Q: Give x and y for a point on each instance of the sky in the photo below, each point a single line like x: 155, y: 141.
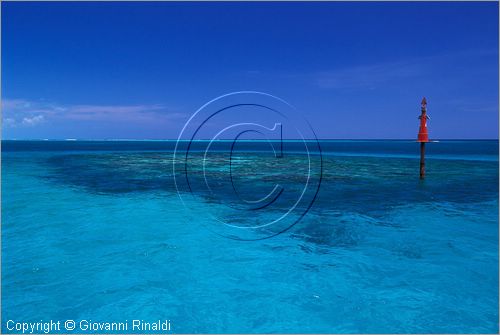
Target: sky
x: 353, y: 70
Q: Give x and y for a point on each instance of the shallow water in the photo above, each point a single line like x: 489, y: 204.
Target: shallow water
x: 96, y: 231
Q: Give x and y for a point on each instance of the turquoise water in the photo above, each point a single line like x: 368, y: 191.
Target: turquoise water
x: 96, y: 231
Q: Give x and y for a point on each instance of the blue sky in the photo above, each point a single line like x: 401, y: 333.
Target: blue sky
x: 354, y: 70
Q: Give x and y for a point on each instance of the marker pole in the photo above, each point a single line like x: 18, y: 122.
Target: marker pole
x: 422, y: 160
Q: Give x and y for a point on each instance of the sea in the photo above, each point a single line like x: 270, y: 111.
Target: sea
x: 106, y: 231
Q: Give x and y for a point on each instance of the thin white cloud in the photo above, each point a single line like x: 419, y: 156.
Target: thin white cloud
x: 372, y: 76
x: 9, y: 122
x: 32, y: 121
x: 20, y: 112
x: 16, y: 104
x: 368, y: 76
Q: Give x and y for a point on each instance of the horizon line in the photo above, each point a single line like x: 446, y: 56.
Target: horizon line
x: 244, y: 140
